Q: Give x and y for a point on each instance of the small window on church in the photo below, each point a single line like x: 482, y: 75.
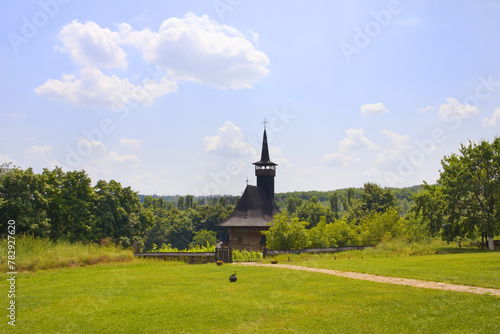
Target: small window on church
x: 240, y: 239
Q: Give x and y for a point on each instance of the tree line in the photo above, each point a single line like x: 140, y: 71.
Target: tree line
x: 366, y: 220
x: 463, y: 203
x: 59, y: 205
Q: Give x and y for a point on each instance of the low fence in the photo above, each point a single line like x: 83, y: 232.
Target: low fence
x: 268, y: 252
x: 188, y: 257
x: 224, y: 254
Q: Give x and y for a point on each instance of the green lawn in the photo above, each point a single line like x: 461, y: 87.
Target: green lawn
x: 477, y: 269
x: 169, y: 297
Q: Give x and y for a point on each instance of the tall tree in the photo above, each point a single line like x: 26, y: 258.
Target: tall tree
x: 466, y: 197
x: 334, y: 204
x: 374, y: 198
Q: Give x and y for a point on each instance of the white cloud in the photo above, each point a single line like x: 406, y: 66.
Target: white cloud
x: 453, y: 108
x: 356, y: 140
x: 42, y: 154
x: 229, y: 142
x: 373, y: 109
x: 423, y: 110
x: 131, y: 143
x: 90, y: 45
x: 95, y: 89
x: 191, y: 48
x: 91, y: 145
x: 39, y: 151
x: 200, y: 50
x: 126, y: 159
x: 494, y: 120
x: 339, y: 159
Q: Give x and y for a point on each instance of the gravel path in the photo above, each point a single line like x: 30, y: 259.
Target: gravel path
x: 385, y: 279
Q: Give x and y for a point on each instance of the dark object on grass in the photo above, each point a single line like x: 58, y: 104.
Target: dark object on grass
x: 233, y: 277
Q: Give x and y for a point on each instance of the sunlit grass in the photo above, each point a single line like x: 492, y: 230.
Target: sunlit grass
x: 172, y: 297
x: 34, y: 254
x: 442, y: 264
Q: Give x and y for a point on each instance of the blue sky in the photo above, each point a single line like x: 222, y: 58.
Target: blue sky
x: 169, y: 97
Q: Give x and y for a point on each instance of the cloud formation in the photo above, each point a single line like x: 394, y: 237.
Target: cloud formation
x: 339, y: 159
x: 200, y: 50
x: 356, y: 140
x: 90, y: 45
x: 188, y: 49
x: 93, y: 88
x: 453, y: 108
x: 126, y: 159
x: 131, y: 143
x: 494, y: 120
x: 229, y: 142
x: 373, y: 109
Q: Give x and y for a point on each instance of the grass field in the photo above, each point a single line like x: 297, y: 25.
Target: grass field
x: 38, y: 254
x: 469, y: 268
x: 169, y: 297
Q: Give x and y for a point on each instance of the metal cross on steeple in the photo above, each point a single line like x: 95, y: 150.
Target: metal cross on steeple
x: 265, y: 123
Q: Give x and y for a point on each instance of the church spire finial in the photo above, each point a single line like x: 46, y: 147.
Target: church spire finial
x: 265, y: 123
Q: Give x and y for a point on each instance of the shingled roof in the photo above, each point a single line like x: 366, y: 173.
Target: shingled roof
x: 254, y: 209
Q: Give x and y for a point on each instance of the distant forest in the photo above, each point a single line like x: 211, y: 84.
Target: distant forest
x: 403, y: 197
x: 65, y: 206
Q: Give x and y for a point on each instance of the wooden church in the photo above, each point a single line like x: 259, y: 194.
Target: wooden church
x: 256, y: 207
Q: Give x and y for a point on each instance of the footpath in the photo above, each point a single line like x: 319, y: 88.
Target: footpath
x: 386, y: 279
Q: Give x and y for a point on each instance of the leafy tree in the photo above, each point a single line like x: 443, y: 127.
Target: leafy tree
x: 287, y: 233
x: 381, y: 225
x: 203, y: 238
x: 468, y: 192
x: 180, y: 231
x: 322, y: 235
x: 189, y: 202
x: 22, y: 199
x: 374, y: 198
x: 312, y: 211
x: 334, y: 204
x: 415, y: 228
x: 292, y: 204
x: 343, y: 234
x: 429, y: 205
x: 76, y: 220
x: 350, y: 197
x: 180, y: 203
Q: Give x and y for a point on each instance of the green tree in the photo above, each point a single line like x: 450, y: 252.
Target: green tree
x: 180, y: 203
x: 470, y: 186
x: 292, y: 204
x: 319, y: 236
x: 203, y: 238
x: 381, y: 225
x: 189, y: 202
x: 286, y: 234
x: 312, y: 211
x: 22, y: 199
x: 429, y: 205
x: 374, y: 198
x: 334, y: 204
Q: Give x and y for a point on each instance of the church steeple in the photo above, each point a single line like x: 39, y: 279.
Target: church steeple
x: 265, y: 169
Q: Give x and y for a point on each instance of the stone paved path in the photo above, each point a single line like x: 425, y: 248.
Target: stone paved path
x: 385, y: 279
